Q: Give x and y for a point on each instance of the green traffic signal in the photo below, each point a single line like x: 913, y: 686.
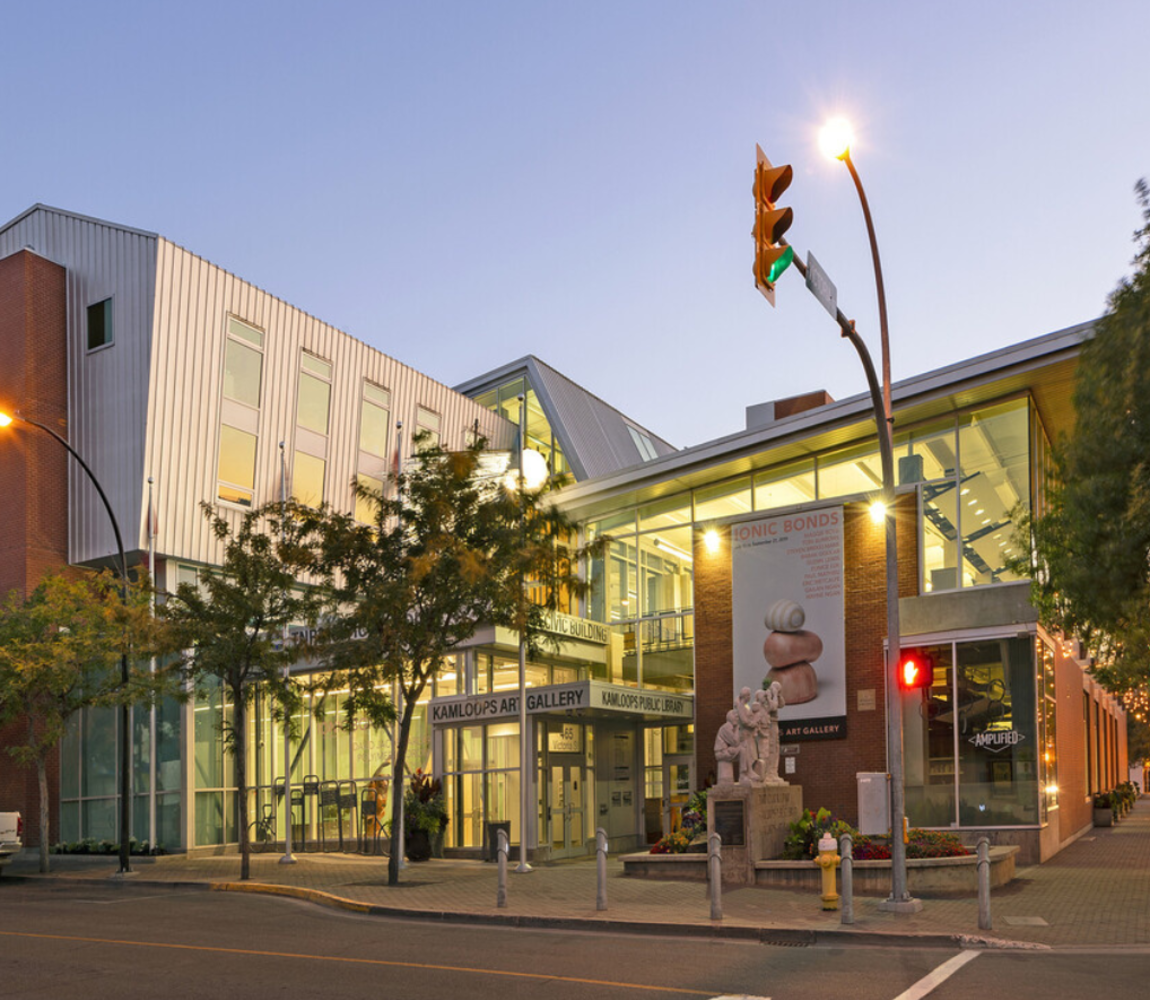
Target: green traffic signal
x: 781, y: 264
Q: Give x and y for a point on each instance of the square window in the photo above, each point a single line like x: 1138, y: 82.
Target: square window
x: 99, y: 324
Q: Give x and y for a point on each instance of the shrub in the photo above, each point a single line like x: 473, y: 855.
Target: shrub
x: 803, y: 842
x: 693, y: 824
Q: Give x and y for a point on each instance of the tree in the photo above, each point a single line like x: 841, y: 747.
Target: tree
x: 449, y: 550
x: 231, y: 627
x: 1092, y: 542
x: 60, y: 652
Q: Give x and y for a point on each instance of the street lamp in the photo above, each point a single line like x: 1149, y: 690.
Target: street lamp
x: 835, y: 140
x: 532, y: 474
x: 125, y: 725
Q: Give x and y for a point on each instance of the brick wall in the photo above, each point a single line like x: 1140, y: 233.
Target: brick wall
x: 33, y: 475
x: 826, y: 769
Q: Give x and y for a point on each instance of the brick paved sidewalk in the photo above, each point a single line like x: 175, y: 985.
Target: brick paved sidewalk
x: 1095, y: 893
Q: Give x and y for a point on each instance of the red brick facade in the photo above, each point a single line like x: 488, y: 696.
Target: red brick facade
x: 33, y: 473
x: 825, y: 769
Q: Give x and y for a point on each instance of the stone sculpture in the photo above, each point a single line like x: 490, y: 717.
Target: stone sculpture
x: 750, y: 736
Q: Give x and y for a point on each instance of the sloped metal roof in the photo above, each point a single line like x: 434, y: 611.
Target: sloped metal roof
x: 596, y: 438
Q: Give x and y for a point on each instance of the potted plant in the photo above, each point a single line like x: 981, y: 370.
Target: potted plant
x: 1103, y: 809
x: 424, y: 817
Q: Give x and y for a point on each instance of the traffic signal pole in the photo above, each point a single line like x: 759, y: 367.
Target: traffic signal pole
x: 900, y: 899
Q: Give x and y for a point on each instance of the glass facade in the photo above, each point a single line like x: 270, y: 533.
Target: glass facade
x: 979, y: 742
x: 540, y: 436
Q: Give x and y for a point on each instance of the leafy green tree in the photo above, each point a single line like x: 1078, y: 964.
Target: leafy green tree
x: 449, y: 550
x: 231, y: 627
x: 60, y: 652
x: 1092, y: 542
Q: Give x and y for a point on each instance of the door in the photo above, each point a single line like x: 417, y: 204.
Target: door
x: 565, y: 810
x: 677, y: 788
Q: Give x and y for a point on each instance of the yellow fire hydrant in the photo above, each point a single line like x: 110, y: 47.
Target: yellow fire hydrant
x: 828, y: 860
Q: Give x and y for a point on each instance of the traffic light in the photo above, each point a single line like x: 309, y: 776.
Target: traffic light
x: 771, y: 260
x: 915, y: 672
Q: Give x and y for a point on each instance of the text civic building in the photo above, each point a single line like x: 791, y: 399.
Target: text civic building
x: 728, y: 562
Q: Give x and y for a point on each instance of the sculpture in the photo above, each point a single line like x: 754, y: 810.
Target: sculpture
x: 751, y: 736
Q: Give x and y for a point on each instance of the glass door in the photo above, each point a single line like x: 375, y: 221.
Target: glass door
x: 677, y: 787
x: 565, y: 810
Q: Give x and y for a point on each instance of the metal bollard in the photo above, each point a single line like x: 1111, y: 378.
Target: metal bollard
x: 501, y: 849
x: 846, y: 850
x: 984, y: 883
x: 715, y: 874
x: 601, y: 868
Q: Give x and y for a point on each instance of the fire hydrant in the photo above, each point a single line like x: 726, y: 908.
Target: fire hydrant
x: 828, y: 860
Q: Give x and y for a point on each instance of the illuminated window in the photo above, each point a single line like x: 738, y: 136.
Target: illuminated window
x: 237, y: 466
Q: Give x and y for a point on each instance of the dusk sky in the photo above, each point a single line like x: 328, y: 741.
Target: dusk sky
x: 462, y: 183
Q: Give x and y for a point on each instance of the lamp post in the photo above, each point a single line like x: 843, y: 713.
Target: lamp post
x: 125, y: 726
x: 835, y: 141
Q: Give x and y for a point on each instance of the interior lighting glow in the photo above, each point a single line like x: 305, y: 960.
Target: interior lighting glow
x: 836, y: 139
x: 878, y: 512
x: 711, y: 540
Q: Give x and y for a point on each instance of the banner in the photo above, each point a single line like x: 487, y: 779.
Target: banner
x: 788, y: 618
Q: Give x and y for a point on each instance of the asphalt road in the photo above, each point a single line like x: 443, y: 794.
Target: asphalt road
x: 91, y: 941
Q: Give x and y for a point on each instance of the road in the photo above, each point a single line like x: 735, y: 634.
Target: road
x: 95, y: 940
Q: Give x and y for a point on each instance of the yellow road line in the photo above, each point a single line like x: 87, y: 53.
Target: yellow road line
x: 361, y: 961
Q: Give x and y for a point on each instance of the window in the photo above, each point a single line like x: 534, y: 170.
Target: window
x: 99, y: 324
x: 312, y: 417
x: 239, y: 413
x: 365, y: 509
x: 374, y: 420
x: 237, y: 469
x: 314, y: 403
x: 427, y: 423
x: 307, y: 479
x: 243, y: 363
x: 643, y: 443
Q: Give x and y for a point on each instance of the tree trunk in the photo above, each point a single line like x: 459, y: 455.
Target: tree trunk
x: 42, y: 779
x: 240, y: 747
x: 397, y: 793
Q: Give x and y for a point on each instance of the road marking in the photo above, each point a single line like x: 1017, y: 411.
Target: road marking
x: 938, y: 976
x: 361, y: 961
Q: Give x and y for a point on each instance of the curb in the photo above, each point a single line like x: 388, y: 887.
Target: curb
x: 783, y: 937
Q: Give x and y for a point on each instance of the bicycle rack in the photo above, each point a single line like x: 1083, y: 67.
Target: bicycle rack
x: 328, y: 800
x: 305, y: 798
x: 370, y: 822
x: 346, y: 801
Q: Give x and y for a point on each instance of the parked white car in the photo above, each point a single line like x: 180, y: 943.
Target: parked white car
x: 11, y: 837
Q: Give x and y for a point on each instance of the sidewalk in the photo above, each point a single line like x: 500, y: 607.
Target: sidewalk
x: 1095, y: 893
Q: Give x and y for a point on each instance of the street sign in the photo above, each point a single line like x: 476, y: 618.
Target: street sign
x: 821, y: 286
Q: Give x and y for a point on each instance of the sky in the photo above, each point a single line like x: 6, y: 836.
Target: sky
x: 461, y: 183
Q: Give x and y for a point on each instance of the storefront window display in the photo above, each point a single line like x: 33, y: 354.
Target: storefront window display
x: 972, y: 741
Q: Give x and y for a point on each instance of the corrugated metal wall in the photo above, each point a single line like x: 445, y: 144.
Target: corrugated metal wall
x: 192, y: 304
x: 107, y: 388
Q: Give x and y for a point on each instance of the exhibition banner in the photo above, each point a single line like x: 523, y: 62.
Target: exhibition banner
x: 788, y: 618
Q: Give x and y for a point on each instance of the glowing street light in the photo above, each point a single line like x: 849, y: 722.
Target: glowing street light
x: 836, y: 139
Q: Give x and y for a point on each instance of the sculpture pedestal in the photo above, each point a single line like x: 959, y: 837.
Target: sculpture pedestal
x: 753, y: 822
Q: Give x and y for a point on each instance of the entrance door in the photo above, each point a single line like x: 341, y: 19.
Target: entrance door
x: 565, y: 810
x: 677, y: 789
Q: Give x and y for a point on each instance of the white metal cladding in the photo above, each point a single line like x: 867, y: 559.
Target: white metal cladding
x: 107, y: 388
x: 193, y: 302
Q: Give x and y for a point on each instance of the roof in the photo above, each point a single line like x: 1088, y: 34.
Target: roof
x: 597, y: 439
x: 1044, y: 366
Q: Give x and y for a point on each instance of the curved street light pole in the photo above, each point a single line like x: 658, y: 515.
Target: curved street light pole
x: 900, y: 898
x: 125, y: 724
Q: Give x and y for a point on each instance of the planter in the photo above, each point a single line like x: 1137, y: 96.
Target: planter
x: 1103, y: 817
x: 417, y: 844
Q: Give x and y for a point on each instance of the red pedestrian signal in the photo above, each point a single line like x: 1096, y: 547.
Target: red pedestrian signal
x: 915, y: 672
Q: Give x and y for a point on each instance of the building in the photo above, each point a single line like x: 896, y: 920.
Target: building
x: 178, y: 381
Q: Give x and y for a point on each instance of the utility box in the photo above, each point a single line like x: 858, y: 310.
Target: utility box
x: 874, y: 803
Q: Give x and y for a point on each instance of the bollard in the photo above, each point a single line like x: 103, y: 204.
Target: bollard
x: 846, y: 849
x: 715, y: 874
x: 984, y: 884
x: 601, y: 868
x: 501, y: 850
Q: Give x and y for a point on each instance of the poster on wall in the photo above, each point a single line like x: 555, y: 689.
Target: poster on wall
x: 787, y: 617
